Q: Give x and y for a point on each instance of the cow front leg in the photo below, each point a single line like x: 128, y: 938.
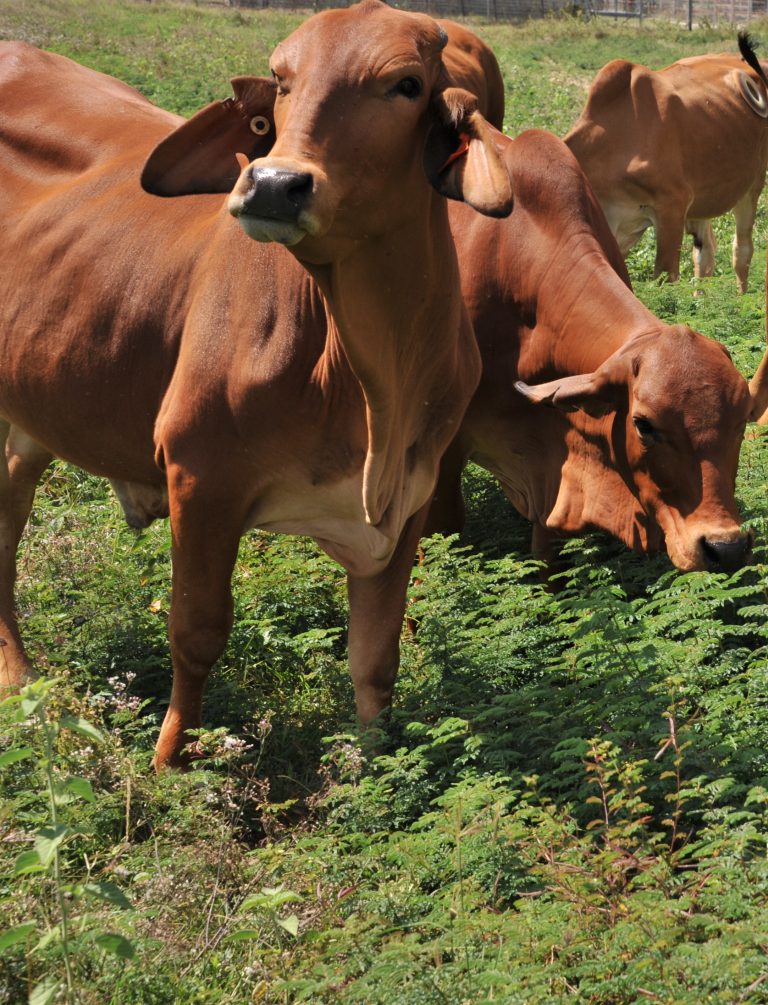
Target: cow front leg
x: 206, y: 530
x: 745, y: 212
x: 23, y: 462
x: 704, y: 247
x: 376, y: 609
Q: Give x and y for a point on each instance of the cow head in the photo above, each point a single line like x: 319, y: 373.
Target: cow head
x: 341, y: 142
x: 658, y: 437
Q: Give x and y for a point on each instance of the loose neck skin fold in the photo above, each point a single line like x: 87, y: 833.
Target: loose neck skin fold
x: 587, y: 298
x: 395, y: 308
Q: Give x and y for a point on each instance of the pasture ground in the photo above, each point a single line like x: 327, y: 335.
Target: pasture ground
x: 571, y: 802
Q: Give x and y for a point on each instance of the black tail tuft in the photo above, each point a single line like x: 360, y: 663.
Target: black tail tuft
x: 747, y: 45
x: 747, y: 48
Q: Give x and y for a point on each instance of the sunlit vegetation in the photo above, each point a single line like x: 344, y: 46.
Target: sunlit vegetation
x: 570, y: 802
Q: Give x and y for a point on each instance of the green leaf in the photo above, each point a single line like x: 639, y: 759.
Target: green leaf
x: 244, y: 933
x: 81, y: 788
x: 16, y: 754
x: 16, y: 934
x: 44, y: 992
x: 116, y: 945
x: 108, y: 892
x: 28, y: 707
x: 83, y: 727
x: 48, y: 840
x: 290, y: 924
x: 52, y: 935
x: 270, y: 898
x: 28, y: 861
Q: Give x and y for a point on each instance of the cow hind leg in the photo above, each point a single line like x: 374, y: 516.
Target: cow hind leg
x: 704, y: 247
x: 670, y: 228
x: 744, y: 211
x: 23, y: 462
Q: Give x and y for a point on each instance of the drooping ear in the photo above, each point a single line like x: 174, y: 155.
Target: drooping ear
x: 461, y: 158
x: 199, y: 156
x: 593, y: 393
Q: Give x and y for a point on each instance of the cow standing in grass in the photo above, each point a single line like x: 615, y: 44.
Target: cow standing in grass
x: 172, y: 344
x: 672, y: 149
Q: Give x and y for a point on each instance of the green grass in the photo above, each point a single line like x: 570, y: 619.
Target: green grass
x: 569, y: 804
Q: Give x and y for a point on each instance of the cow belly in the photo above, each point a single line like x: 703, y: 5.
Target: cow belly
x: 334, y: 516
x: 628, y: 222
x: 97, y: 442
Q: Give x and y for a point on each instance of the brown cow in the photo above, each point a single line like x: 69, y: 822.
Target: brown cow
x: 228, y: 381
x: 473, y: 66
x: 620, y: 422
x: 673, y: 149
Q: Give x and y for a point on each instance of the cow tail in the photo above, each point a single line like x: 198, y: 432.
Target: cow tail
x: 748, y: 50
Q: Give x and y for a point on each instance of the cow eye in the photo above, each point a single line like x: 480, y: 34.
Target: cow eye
x: 408, y: 87
x: 281, y: 88
x: 646, y: 430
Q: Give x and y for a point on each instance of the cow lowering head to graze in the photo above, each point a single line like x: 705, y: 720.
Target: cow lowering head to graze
x: 674, y: 148
x: 231, y: 382
x: 591, y: 412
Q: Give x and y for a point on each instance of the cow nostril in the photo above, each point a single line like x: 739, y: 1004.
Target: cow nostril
x: 298, y: 192
x: 727, y: 556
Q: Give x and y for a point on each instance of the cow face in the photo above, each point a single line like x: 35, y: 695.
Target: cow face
x: 358, y: 117
x: 665, y: 416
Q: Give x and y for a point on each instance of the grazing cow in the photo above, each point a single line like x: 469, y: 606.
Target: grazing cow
x: 673, y: 149
x: 619, y: 421
x: 228, y: 381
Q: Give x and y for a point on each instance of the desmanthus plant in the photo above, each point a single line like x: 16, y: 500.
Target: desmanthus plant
x: 64, y: 924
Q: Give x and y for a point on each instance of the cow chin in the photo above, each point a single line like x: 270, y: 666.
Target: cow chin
x: 268, y: 231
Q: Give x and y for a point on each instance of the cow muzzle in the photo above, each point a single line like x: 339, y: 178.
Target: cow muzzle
x: 726, y: 555
x: 274, y: 203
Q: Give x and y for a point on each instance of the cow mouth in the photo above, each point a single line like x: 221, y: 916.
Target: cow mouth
x: 728, y: 555
x: 711, y: 553
x: 267, y: 230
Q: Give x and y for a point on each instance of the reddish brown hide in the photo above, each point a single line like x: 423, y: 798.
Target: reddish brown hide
x: 228, y: 381
x: 622, y: 422
x: 674, y: 148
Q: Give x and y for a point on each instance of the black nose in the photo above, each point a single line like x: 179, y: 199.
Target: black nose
x: 276, y: 194
x: 727, y: 556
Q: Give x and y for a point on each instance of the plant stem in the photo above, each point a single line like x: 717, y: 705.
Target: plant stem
x: 49, y: 734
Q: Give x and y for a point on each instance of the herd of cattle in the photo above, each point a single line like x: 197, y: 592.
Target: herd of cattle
x: 271, y: 316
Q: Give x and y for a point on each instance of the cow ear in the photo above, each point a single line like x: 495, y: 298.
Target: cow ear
x: 199, y: 156
x: 461, y: 158
x: 587, y: 392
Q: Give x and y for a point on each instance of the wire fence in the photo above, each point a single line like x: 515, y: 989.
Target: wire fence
x: 692, y: 11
